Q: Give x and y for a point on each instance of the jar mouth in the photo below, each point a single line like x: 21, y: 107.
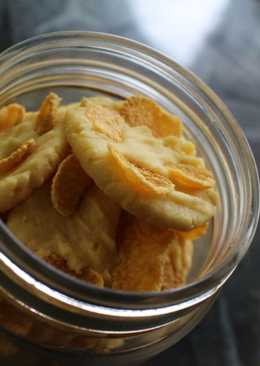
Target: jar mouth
x: 32, y: 273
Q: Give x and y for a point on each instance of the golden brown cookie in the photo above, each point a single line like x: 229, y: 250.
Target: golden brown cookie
x: 86, y: 274
x: 149, y: 176
x: 150, y: 259
x: 100, y: 100
x: 85, y: 239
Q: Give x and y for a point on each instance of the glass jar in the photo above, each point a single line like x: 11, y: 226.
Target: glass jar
x: 48, y: 315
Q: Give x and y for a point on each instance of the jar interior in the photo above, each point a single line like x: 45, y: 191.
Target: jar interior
x: 32, y: 99
x: 76, y: 65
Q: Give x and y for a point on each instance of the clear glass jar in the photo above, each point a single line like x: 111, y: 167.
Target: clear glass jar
x: 48, y: 315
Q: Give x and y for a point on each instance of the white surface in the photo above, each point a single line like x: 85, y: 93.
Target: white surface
x: 178, y: 27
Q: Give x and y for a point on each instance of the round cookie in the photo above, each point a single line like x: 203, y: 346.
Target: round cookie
x: 85, y: 239
x: 155, y: 178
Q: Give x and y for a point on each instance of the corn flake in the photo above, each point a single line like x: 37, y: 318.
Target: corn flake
x: 139, y: 110
x: 195, y: 233
x: 11, y: 115
x: 105, y: 121
x: 140, y: 179
x: 192, y: 177
x: 17, y: 157
x: 48, y: 111
x: 68, y: 185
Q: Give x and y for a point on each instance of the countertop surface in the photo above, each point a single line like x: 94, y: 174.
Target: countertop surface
x: 220, y: 41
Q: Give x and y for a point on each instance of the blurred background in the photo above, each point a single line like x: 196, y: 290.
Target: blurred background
x: 219, y: 40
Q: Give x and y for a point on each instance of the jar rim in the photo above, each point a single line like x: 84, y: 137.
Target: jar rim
x: 169, y: 300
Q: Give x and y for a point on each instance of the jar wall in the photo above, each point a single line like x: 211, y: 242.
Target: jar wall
x: 26, y: 340
x: 81, y: 64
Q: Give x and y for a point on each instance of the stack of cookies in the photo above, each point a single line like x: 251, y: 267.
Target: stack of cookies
x: 111, y: 192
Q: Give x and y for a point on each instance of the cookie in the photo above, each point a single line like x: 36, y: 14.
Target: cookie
x: 150, y: 176
x: 86, y: 274
x: 100, y: 100
x: 29, y: 155
x: 150, y: 259
x: 85, y: 239
x: 27, y: 158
